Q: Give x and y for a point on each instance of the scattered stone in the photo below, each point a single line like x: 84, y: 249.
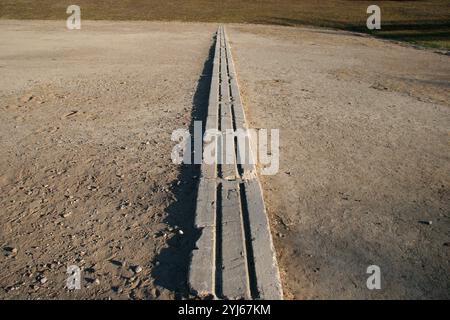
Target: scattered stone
x: 133, y: 283
x: 15, y: 287
x: 92, y: 280
x: 127, y: 274
x: 137, y: 269
x: 155, y: 293
x: 67, y: 214
x: 180, y: 231
x: 43, y: 280
x: 11, y: 250
x: 124, y: 204
x: 90, y: 270
x: 117, y: 289
x: 27, y: 98
x: 117, y: 263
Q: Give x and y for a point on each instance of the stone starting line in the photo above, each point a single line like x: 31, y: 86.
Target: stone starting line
x: 234, y: 257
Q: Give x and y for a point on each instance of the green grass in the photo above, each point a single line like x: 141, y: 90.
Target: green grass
x: 424, y: 22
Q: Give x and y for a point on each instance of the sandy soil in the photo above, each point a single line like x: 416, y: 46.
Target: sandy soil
x: 364, y: 133
x: 86, y: 174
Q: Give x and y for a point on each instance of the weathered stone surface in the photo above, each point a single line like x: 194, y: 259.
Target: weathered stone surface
x: 235, y: 257
x: 202, y: 271
x: 266, y: 266
x: 235, y: 281
x: 205, y: 212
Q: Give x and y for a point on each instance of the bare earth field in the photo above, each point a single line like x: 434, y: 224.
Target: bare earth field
x: 86, y: 176
x: 364, y: 159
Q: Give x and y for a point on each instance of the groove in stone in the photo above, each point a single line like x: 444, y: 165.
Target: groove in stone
x: 235, y: 258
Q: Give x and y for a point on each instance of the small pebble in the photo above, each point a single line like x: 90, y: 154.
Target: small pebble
x: 67, y: 214
x: 117, y: 289
x: 10, y: 251
x: 155, y: 293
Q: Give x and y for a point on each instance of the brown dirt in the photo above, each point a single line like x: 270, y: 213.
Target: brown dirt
x: 86, y: 173
x: 364, y: 133
x: 87, y: 179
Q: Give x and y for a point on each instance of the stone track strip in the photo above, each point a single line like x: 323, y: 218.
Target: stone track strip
x: 234, y: 257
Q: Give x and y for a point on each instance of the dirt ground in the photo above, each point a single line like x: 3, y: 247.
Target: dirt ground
x: 86, y: 173
x: 86, y: 176
x: 364, y: 160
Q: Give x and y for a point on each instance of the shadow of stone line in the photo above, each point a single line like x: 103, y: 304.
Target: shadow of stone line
x: 171, y: 264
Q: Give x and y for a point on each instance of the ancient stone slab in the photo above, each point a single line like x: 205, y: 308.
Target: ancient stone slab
x: 205, y: 212
x: 202, y: 272
x: 235, y: 281
x: 265, y: 262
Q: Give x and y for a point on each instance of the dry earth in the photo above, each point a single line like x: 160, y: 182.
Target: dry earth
x: 364, y: 159
x: 86, y: 173
x: 86, y: 176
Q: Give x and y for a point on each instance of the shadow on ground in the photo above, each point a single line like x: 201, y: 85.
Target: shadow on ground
x: 171, y: 265
x: 434, y: 33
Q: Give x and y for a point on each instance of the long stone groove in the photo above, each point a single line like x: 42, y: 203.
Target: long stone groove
x: 234, y: 256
